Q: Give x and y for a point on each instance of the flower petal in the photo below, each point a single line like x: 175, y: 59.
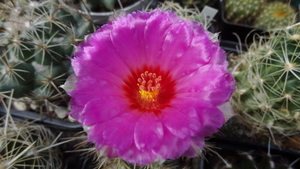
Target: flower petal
x: 137, y: 157
x: 118, y: 133
x: 172, y: 147
x: 148, y: 132
x: 176, y: 122
x: 154, y: 45
x: 210, y: 82
x: 127, y: 35
x: 208, y: 116
x: 104, y: 55
x: 102, y: 109
x: 193, y: 48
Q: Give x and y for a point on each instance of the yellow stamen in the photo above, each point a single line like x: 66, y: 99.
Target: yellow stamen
x: 149, y: 86
x: 149, y: 96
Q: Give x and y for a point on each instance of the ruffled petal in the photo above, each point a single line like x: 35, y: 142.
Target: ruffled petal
x: 172, y: 147
x: 102, y: 109
x: 156, y: 29
x: 176, y: 122
x: 192, y: 49
x: 148, y: 132
x: 100, y: 50
x: 85, y: 84
x: 196, y: 147
x: 209, y: 117
x: 210, y: 82
x: 137, y: 157
x: 127, y: 35
x: 76, y: 109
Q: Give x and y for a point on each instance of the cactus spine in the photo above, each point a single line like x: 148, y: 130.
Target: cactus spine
x: 252, y: 160
x: 36, y: 39
x: 275, y: 14
x: 242, y: 11
x: 267, y: 96
x: 23, y: 145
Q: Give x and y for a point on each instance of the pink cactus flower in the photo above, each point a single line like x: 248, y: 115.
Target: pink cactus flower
x: 150, y: 86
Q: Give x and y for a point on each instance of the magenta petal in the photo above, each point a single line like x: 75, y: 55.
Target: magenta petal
x: 134, y: 156
x: 85, y: 68
x: 86, y: 83
x: 95, y: 134
x: 76, y: 110
x: 154, y: 43
x: 148, y: 132
x: 197, y: 144
x: 150, y: 86
x: 127, y: 36
x: 102, y: 109
x: 172, y: 147
x: 107, y: 59
x: 176, y: 122
x: 186, y: 50
x: 216, y: 84
x: 118, y: 132
x: 208, y: 116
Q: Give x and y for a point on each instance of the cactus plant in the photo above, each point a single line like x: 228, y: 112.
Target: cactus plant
x: 242, y: 11
x: 198, y: 3
x: 23, y: 145
x: 275, y: 14
x: 36, y: 39
x: 28, y: 146
x: 267, y: 95
x: 101, y: 5
x: 252, y: 160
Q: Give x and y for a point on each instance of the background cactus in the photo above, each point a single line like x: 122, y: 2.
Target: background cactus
x: 275, y: 14
x: 101, y: 5
x: 195, y: 3
x: 28, y: 146
x: 242, y: 11
x: 252, y: 160
x: 268, y: 90
x: 36, y: 39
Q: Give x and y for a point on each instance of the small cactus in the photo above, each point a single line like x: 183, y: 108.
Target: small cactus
x: 100, y: 5
x: 27, y: 145
x: 36, y: 39
x: 242, y: 11
x: 267, y: 96
x: 195, y: 3
x: 252, y: 160
x: 95, y: 5
x: 24, y: 145
x: 275, y: 14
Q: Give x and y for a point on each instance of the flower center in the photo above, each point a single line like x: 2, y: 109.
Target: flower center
x: 149, y: 86
x: 149, y: 89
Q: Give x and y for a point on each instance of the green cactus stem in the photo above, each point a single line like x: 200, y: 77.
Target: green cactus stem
x: 37, y: 37
x: 275, y: 14
x: 268, y: 77
x: 242, y: 11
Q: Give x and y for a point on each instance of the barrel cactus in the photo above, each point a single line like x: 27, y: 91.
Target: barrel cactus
x: 242, y: 11
x: 252, y: 160
x: 275, y: 14
x: 267, y: 96
x: 37, y: 37
x: 28, y: 146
